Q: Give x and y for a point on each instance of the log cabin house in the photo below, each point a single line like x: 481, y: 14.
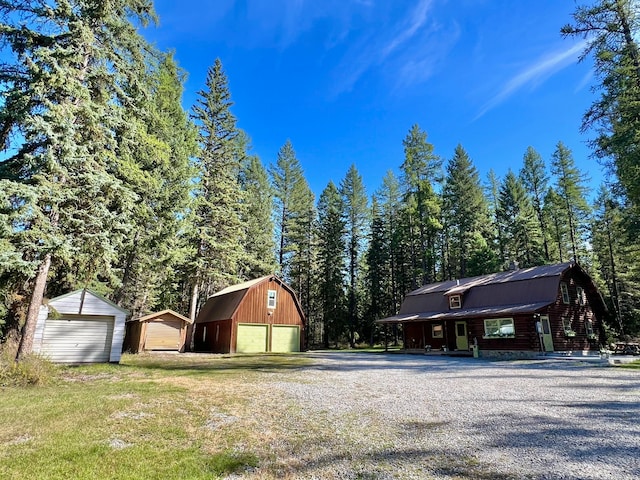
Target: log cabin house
x: 520, y: 313
x: 261, y: 315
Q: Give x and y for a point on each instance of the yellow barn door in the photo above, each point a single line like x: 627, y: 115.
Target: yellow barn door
x: 252, y: 338
x: 285, y: 338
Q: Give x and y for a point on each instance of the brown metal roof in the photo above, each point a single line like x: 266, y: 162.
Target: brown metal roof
x: 223, y: 304
x: 516, y: 291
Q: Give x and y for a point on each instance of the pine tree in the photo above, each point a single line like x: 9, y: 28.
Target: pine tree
x: 217, y: 232
x: 257, y: 217
x: 379, y: 275
x: 517, y: 220
x: 72, y: 72
x: 493, y: 196
x: 157, y: 154
x: 535, y: 179
x: 612, y: 28
x: 289, y: 189
x: 555, y: 219
x: 571, y: 187
x: 391, y: 212
x: 331, y: 264
x: 355, y: 203
x: 302, y: 244
x: 465, y: 218
x: 420, y: 170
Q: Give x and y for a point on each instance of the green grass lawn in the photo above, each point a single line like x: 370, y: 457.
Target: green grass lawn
x: 149, y: 417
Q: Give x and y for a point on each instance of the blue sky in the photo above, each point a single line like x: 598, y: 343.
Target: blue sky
x: 345, y: 80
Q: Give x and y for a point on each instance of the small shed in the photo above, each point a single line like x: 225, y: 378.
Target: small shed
x: 80, y: 327
x: 261, y: 315
x: 165, y: 330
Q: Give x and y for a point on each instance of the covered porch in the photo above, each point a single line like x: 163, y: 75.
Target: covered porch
x: 432, y: 336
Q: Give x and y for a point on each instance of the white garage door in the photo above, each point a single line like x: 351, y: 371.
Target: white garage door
x: 78, y: 340
x: 285, y: 338
x: 163, y: 335
x: 252, y: 338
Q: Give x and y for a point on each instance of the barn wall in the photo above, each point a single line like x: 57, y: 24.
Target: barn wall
x: 253, y: 309
x: 221, y: 344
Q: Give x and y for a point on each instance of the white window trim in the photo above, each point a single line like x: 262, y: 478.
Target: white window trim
x: 564, y: 290
x: 433, y: 333
x: 272, y: 300
x: 502, y: 322
x: 455, y: 302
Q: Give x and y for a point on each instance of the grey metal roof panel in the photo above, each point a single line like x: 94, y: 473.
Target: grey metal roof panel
x: 519, y: 309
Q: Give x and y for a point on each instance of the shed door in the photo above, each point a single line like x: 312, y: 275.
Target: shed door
x: 252, y: 338
x: 285, y: 338
x: 163, y: 335
x: 78, y: 339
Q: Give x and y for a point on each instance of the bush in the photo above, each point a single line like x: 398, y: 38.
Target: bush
x: 31, y: 370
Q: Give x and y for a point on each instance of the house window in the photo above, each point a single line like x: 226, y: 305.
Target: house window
x: 499, y: 328
x: 437, y: 331
x: 581, y: 297
x: 588, y: 326
x: 565, y: 293
x: 271, y: 299
x: 455, y: 301
x: 566, y: 324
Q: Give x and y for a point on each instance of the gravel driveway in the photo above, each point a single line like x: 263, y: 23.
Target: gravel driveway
x: 373, y: 416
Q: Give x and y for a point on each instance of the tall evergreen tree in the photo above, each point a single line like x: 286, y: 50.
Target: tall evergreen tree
x: 290, y: 190
x: 72, y: 71
x: 555, y: 219
x: 355, y: 202
x: 493, y: 197
x: 302, y: 244
x: 465, y: 218
x: 612, y: 28
x: 331, y: 277
x: 257, y: 217
x: 420, y: 170
x: 391, y: 212
x: 217, y: 233
x: 571, y: 187
x: 157, y: 154
x: 517, y: 219
x: 535, y: 179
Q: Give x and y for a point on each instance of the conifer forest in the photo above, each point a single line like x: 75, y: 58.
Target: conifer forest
x: 107, y: 181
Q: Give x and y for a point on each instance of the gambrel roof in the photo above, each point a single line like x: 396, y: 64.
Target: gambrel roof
x: 222, y: 305
x: 520, y: 291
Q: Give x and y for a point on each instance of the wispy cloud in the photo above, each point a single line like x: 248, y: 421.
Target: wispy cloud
x: 379, y: 46
x: 535, y: 74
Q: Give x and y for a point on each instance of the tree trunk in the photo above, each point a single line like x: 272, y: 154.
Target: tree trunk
x: 29, y: 328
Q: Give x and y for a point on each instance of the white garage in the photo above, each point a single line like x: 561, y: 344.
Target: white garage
x: 80, y: 327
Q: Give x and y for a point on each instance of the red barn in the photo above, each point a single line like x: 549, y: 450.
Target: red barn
x: 261, y: 315
x: 521, y: 312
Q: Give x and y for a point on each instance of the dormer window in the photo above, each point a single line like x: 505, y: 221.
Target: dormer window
x: 455, y: 302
